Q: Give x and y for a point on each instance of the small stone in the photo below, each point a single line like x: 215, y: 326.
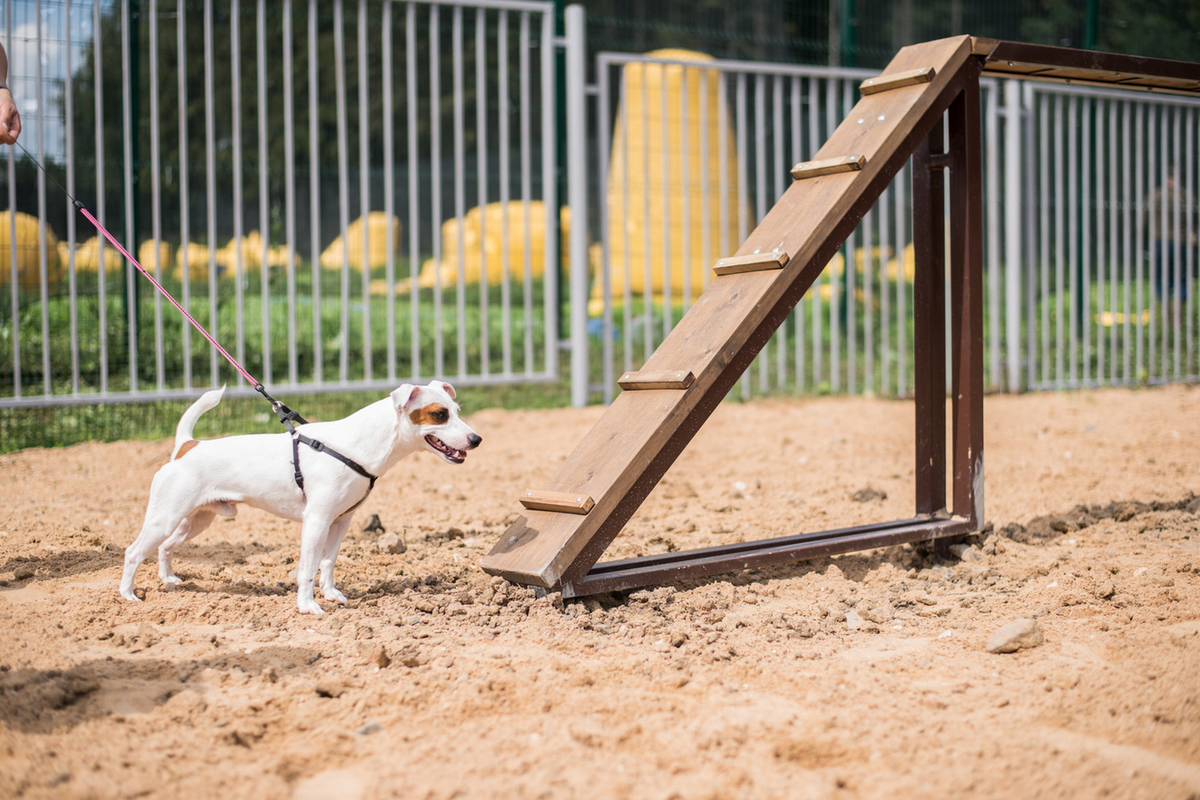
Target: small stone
x: 966, y: 552
x: 1016, y: 635
x: 22, y: 572
x: 853, y: 620
x: 678, y: 638
x: 329, y: 689
x: 379, y: 657
x: 368, y: 729
x: 869, y: 494
x: 880, y: 615
x: 373, y: 525
x: 391, y: 543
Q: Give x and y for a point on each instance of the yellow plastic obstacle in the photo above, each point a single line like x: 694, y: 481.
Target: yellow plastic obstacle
x: 28, y: 257
x: 378, y: 245
x: 640, y: 184
x: 226, y: 257
x: 489, y: 228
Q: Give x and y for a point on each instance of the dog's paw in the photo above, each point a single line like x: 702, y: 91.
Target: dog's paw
x: 171, y: 579
x: 129, y: 595
x: 310, y: 607
x: 334, y: 595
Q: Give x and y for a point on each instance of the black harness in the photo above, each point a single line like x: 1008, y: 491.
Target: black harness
x: 290, y: 419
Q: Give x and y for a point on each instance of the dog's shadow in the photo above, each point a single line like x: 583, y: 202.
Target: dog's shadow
x: 62, y: 564
x: 41, y: 701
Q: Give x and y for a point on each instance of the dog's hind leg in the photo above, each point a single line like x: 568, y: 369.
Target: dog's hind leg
x: 192, y: 525
x: 333, y: 543
x: 161, y: 520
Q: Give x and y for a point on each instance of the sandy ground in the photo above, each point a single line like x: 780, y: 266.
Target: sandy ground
x: 865, y: 675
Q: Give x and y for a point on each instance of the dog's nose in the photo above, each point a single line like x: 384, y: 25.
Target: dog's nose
x: 474, y: 439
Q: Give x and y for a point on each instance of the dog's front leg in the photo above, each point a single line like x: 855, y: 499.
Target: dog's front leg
x: 333, y: 543
x: 313, y: 534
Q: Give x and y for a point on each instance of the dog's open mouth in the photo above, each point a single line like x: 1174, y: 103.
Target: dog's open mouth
x: 448, y: 452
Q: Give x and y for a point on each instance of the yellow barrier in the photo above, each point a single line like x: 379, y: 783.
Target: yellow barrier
x: 640, y: 184
x: 377, y: 243
x: 28, y: 259
x: 489, y: 228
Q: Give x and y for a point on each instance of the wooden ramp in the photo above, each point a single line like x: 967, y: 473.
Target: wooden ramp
x: 622, y: 458
x: 568, y: 524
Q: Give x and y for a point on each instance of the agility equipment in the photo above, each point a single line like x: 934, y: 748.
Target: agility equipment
x: 566, y: 526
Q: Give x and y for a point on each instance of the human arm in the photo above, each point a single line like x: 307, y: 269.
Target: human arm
x: 10, y: 120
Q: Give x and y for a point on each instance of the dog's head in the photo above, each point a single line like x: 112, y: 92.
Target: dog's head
x: 431, y: 410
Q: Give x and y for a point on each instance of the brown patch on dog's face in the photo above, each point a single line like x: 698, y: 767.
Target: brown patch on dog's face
x: 432, y: 414
x: 185, y: 447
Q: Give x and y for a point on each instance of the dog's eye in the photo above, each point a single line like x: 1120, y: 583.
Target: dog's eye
x: 441, y: 416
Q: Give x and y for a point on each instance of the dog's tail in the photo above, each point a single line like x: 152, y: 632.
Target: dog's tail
x: 183, y: 432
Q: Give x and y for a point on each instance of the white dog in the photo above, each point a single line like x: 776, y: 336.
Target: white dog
x: 316, y: 476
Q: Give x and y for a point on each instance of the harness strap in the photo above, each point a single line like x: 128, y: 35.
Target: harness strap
x: 299, y: 439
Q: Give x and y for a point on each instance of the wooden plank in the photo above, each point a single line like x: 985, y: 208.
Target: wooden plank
x: 828, y: 166
x: 658, y: 379
x: 897, y: 80
x: 619, y: 461
x: 561, y: 502
x: 750, y: 263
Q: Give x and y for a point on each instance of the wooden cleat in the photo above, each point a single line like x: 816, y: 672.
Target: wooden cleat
x: 656, y: 379
x: 564, y: 502
x: 750, y: 263
x: 897, y: 80
x: 829, y: 166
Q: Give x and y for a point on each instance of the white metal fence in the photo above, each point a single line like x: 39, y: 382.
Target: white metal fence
x: 303, y: 181
x: 356, y: 193
x: 1074, y: 294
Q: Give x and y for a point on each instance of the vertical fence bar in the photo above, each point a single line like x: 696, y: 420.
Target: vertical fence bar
x: 1096, y: 200
x: 389, y: 186
x: 184, y: 189
x: 101, y: 193
x: 995, y: 323
x: 814, y: 139
x: 625, y: 114
x: 604, y: 135
x: 904, y: 179
x: 235, y: 67
x: 550, y: 195
x: 1176, y: 243
x: 761, y: 204
x: 1190, y: 234
x: 780, y: 169
x: 1139, y: 193
x: 264, y: 228
x: 1060, y: 241
x: 577, y: 199
x: 343, y: 162
x: 740, y: 136
x: 364, y: 189
x: 131, y: 276
x: 481, y: 171
x: 1013, y: 159
x: 505, y: 156
x: 43, y: 276
x: 685, y: 178
x: 314, y: 197
x: 526, y: 189
x: 414, y: 207
x: 1083, y: 302
x: 835, y: 327
x: 69, y: 132
x: 1072, y: 212
x: 460, y: 212
x: 1113, y: 239
x: 435, y: 188
x: 155, y: 194
x: 665, y: 144
x: 14, y: 272
x: 289, y: 177
x: 797, y: 157
x: 210, y: 184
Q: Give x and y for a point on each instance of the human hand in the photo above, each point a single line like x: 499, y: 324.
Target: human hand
x: 10, y: 120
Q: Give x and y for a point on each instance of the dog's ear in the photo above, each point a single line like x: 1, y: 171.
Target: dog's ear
x: 402, y: 395
x: 449, y: 389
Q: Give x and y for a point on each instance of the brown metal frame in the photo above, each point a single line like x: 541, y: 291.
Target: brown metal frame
x: 933, y: 520
x: 956, y: 111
